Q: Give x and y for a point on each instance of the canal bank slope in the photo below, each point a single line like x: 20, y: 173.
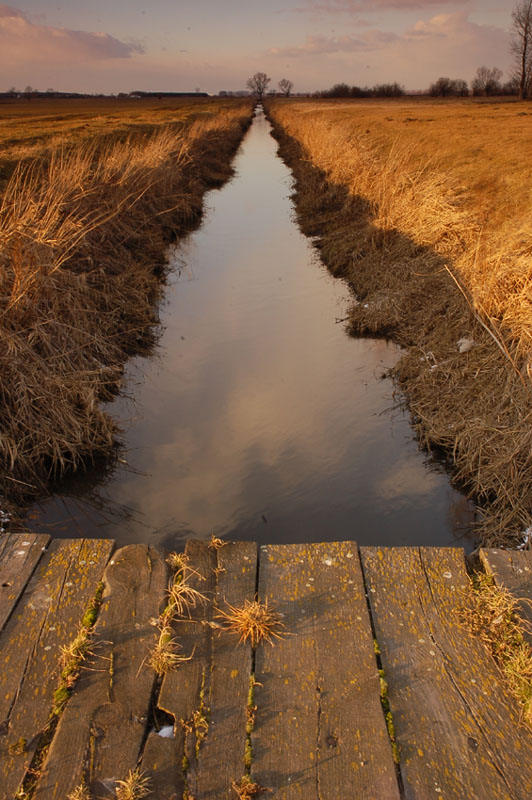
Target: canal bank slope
x: 468, y: 395
x: 83, y: 240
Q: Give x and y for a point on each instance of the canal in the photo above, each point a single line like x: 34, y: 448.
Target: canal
x: 257, y: 417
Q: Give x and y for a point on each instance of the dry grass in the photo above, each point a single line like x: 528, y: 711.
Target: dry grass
x: 255, y: 621
x: 246, y: 788
x: 135, y: 786
x: 34, y: 129
x: 494, y: 618
x: 182, y: 598
x: 81, y: 792
x: 82, y: 240
x: 425, y: 208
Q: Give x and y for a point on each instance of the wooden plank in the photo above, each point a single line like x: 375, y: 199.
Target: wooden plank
x: 512, y: 569
x: 458, y: 731
x: 221, y: 756
x: 320, y: 730
x: 101, y: 731
x: 19, y: 555
x: 46, y: 618
x: 182, y: 690
x: 213, y: 686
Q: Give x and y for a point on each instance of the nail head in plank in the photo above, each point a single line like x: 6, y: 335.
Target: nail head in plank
x: 47, y: 617
x: 444, y: 692
x: 19, y: 555
x: 102, y: 728
x: 320, y: 730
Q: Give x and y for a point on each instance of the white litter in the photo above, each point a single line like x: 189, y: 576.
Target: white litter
x: 166, y: 732
x: 526, y: 541
x: 465, y: 345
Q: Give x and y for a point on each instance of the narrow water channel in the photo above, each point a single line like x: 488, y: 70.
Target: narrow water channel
x: 258, y: 417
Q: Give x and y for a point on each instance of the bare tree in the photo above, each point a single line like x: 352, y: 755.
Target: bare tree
x: 521, y: 46
x: 487, y: 81
x: 258, y: 83
x: 286, y: 86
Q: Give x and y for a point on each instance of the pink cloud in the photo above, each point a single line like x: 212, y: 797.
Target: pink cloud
x: 22, y: 41
x: 319, y: 44
x: 354, y: 6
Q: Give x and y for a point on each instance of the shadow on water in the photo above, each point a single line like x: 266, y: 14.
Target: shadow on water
x: 258, y: 417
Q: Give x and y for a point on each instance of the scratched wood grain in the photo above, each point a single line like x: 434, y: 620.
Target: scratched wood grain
x: 320, y: 729
x: 102, y: 729
x: 46, y: 618
x: 457, y: 728
x: 513, y: 570
x: 19, y: 555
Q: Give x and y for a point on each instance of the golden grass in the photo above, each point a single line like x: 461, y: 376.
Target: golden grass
x: 425, y: 207
x: 494, y: 618
x: 246, y: 788
x: 182, y: 598
x: 37, y: 128
x: 134, y: 786
x: 83, y: 234
x: 255, y: 620
x: 80, y: 792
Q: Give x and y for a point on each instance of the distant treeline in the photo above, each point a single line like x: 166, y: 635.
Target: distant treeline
x: 30, y: 93
x: 486, y: 83
x: 379, y: 90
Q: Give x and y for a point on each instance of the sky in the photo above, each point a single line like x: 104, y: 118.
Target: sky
x: 116, y: 46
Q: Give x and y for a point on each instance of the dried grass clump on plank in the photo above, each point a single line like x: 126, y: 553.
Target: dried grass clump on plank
x: 82, y: 242
x: 434, y: 233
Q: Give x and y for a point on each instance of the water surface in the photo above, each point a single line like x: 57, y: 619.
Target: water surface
x: 258, y: 417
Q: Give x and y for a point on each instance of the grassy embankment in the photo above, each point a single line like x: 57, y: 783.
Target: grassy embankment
x: 90, y: 198
x: 425, y: 207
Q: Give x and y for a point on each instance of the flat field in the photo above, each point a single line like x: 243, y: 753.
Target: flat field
x: 29, y: 128
x: 426, y: 208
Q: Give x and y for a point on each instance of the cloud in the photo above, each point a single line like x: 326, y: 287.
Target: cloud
x: 22, y: 41
x: 419, y: 54
x: 319, y: 44
x: 354, y: 6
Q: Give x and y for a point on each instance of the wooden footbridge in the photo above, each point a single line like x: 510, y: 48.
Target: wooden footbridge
x: 375, y: 692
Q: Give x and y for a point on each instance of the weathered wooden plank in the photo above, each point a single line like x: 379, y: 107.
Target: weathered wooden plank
x: 101, y: 730
x: 46, y: 618
x: 453, y: 719
x: 208, y: 695
x: 512, y: 569
x: 19, y: 555
x: 185, y: 690
x: 320, y: 730
x: 221, y: 756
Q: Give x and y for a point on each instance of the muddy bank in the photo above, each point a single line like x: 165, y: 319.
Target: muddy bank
x: 467, y: 399
x: 83, y: 239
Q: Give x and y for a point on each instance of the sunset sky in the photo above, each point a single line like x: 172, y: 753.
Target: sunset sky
x: 181, y: 45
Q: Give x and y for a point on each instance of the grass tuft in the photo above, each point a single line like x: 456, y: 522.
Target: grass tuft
x: 255, y: 621
x: 493, y: 617
x: 81, y: 792
x: 135, y: 786
x: 246, y: 788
